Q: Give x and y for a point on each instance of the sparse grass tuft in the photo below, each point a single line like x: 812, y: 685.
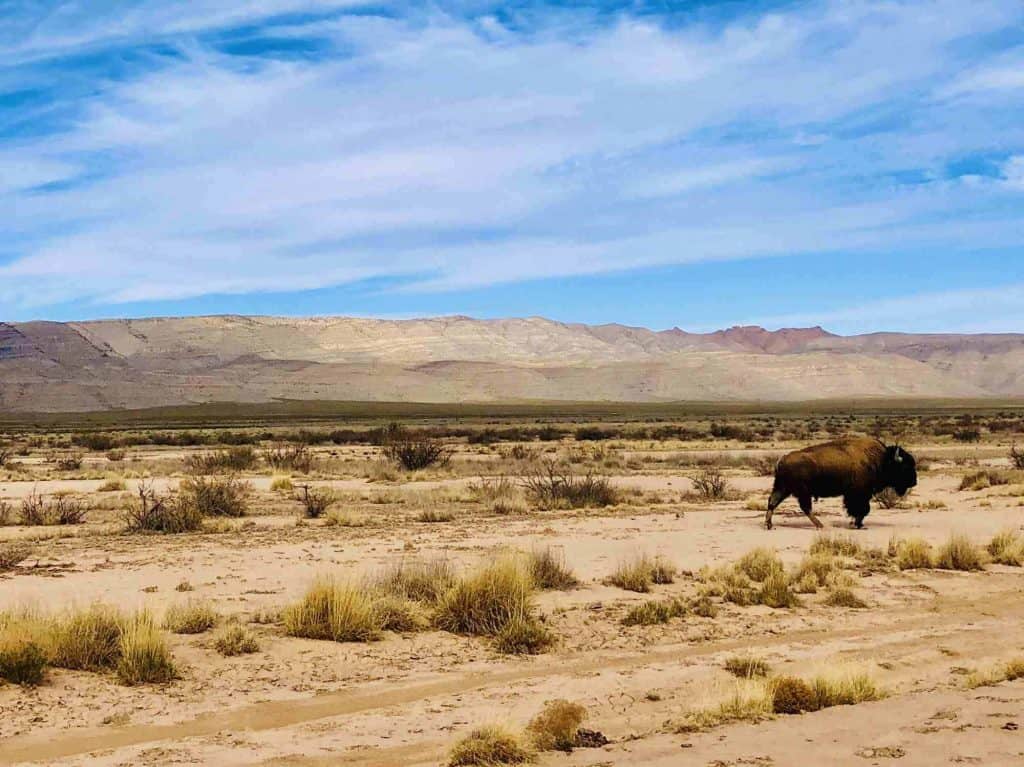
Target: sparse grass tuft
x: 419, y: 580
x: 959, y: 553
x: 759, y: 564
x: 557, y: 725
x: 639, y: 573
x: 844, y: 686
x: 281, y: 485
x: 979, y: 480
x: 113, y: 485
x: 190, y: 618
x: 551, y: 485
x: 653, y: 612
x: 746, y: 701
x: 435, y: 515
x: 88, y: 640
x: 549, y: 571
x: 523, y: 635
x: 238, y: 458
x: 845, y: 598
x: 236, y: 640
x: 837, y: 545
x: 22, y: 659
x: 776, y: 592
x: 792, y: 695
x: 489, y: 746
x: 912, y: 554
x: 400, y: 614
x: 340, y: 518
x: 746, y: 666
x: 485, y: 602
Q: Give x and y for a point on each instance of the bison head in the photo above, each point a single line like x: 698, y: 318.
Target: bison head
x: 899, y: 470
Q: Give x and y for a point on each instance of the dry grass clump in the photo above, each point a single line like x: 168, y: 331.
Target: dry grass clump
x: 502, y: 494
x: 489, y: 746
x: 1016, y: 457
x: 340, y: 518
x: 484, y: 602
x: 22, y: 659
x: 423, y: 581
x: 746, y: 666
x: 912, y: 554
x: 776, y: 592
x: 236, y: 640
x: 1004, y: 672
x: 549, y: 570
x: 979, y: 480
x: 335, y: 611
x: 837, y: 545
x: 959, y: 553
x: 792, y: 695
x: 316, y: 500
x: 746, y: 701
x: 88, y: 640
x: 557, y: 726
x: 400, y: 614
x: 814, y: 571
x: 112, y: 485
x: 639, y: 573
x: 14, y: 553
x: 192, y: 617
x: 703, y: 607
x: 435, y: 515
x: 154, y: 513
x: 145, y: 657
x: 844, y: 686
x: 215, y: 497
x: 653, y: 612
x: 523, y: 635
x: 238, y: 458
x: 281, y: 485
x: 845, y: 598
x: 758, y: 564
x: 1007, y: 548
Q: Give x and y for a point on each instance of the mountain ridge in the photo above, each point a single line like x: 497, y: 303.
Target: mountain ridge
x: 153, y: 361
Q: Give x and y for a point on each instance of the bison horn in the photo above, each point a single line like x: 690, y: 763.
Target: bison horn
x: 899, y: 456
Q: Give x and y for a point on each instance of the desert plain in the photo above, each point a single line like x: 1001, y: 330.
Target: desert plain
x: 652, y: 602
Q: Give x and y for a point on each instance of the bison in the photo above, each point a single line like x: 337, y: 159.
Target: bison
x: 854, y: 467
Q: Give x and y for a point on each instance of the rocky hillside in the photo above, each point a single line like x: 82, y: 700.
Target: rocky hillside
x: 50, y: 366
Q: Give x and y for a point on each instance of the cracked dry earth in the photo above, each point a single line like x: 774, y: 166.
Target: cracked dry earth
x: 406, y: 699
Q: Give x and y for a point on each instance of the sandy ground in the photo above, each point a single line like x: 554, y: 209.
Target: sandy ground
x: 406, y: 699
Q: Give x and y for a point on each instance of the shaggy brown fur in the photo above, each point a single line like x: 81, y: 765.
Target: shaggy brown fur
x: 853, y: 467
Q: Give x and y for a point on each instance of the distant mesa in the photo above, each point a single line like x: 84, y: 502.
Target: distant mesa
x: 133, y: 363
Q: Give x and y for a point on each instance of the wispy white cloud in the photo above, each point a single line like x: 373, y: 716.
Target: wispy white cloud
x: 443, y: 153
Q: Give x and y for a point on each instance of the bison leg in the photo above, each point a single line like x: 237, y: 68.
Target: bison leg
x: 807, y: 507
x: 777, y: 497
x: 857, y: 507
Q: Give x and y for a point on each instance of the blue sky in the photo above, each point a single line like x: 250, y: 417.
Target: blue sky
x: 854, y: 164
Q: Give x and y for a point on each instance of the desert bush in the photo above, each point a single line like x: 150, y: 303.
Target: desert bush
x: 1006, y: 548
x: 13, y: 553
x: 96, y: 441
x: 154, y: 513
x: 339, y: 518
x: 215, y: 497
x: 414, y: 451
x: 845, y: 598
x: 236, y: 640
x: 746, y: 666
x: 112, y: 485
x: 61, y: 509
x: 912, y: 554
x: 486, y: 601
x: 489, y: 746
x: 549, y: 571
x: 959, y: 553
x: 145, y: 657
x: 501, y: 493
x: 190, y: 618
x: 967, y: 434
x: 315, y: 501
x: 654, y: 612
x: 551, y: 485
x: 1016, y: 457
x: 334, y: 611
x: 115, y: 456
x: 703, y: 607
x: 68, y: 462
x: 711, y: 485
x: 6, y: 454
x: 231, y: 459
x: 419, y: 580
x: 557, y: 726
x: 6, y: 515
x: 290, y: 458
